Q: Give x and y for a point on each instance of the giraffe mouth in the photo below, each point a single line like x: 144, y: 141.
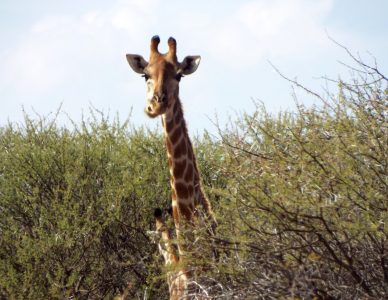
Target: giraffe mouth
x: 155, y: 109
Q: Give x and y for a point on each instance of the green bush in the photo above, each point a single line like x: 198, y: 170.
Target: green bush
x: 308, y: 197
x: 75, y: 206
x: 300, y: 198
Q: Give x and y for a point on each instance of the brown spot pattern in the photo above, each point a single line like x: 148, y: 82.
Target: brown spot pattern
x: 180, y: 149
x: 184, y: 145
x: 190, y: 151
x: 189, y: 173
x: 185, y: 210
x: 178, y: 118
x: 169, y: 125
x: 176, y: 135
x: 190, y: 189
x: 181, y: 190
x: 176, y: 106
x: 179, y: 169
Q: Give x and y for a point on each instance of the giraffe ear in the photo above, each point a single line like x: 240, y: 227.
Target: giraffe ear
x: 190, y: 64
x: 137, y: 63
x: 157, y: 212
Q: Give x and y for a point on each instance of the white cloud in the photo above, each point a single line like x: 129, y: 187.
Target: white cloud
x: 257, y: 29
x: 60, y: 48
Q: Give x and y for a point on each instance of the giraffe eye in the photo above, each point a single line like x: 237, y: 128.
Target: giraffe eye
x: 146, y: 77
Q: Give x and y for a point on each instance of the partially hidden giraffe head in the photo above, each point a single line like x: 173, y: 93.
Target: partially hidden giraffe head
x: 162, y: 74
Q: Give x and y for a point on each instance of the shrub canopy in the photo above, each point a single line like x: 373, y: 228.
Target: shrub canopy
x: 300, y: 198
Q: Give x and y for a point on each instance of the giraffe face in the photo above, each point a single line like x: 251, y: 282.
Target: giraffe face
x: 162, y: 74
x: 162, y: 85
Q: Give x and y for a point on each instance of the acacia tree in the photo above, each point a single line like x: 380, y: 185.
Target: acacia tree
x: 310, y: 189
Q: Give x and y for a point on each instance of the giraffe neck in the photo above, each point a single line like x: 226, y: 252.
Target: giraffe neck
x: 186, y: 188
x: 167, y: 249
x: 177, y: 280
x: 185, y: 181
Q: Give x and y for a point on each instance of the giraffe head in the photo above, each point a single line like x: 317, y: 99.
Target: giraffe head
x: 162, y: 74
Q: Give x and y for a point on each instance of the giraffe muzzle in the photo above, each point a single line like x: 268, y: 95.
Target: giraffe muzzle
x: 156, y: 106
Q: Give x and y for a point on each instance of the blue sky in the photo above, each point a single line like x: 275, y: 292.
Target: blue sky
x: 54, y: 52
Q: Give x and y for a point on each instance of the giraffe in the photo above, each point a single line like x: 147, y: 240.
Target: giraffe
x: 162, y: 74
x: 177, y: 280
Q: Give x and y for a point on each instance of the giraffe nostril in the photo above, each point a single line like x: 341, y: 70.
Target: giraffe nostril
x: 159, y: 99
x: 149, y: 108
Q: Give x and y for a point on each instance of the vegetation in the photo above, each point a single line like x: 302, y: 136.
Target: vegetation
x: 301, y: 201
x: 75, y: 208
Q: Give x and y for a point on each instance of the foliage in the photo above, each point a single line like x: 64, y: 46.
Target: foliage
x: 300, y: 198
x: 75, y: 207
x: 310, y: 191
